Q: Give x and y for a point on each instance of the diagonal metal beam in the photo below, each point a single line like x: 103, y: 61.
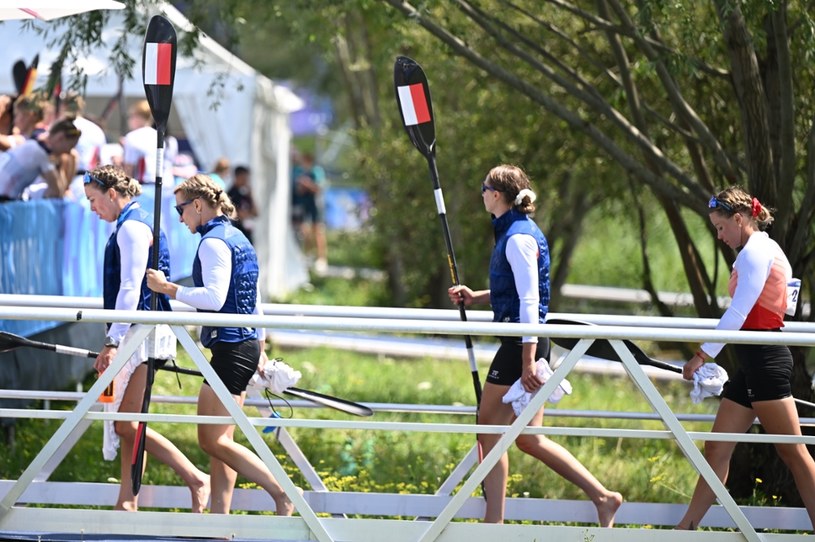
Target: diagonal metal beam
x: 74, y: 419
x: 503, y: 444
x: 684, y: 441
x: 251, y: 434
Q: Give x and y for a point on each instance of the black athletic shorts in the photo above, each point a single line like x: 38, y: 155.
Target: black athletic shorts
x: 235, y: 363
x: 506, y: 366
x: 764, y: 374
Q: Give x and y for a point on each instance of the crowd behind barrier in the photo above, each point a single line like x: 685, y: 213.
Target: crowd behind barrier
x: 56, y: 247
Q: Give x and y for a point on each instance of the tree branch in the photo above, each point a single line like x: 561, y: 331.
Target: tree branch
x: 680, y: 105
x: 690, y: 198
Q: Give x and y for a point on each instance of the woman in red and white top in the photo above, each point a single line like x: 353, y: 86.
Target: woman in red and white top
x: 761, y: 386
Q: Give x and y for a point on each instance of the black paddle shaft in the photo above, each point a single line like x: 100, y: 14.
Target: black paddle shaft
x: 10, y: 341
x: 416, y: 111
x: 158, y: 72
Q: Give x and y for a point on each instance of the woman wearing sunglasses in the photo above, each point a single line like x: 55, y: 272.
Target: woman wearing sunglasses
x: 225, y: 275
x: 127, y: 256
x: 519, y: 292
x: 761, y: 386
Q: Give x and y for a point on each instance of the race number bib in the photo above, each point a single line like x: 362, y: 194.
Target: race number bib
x: 793, y: 290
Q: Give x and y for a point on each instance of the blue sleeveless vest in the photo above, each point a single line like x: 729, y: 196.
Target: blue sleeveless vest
x: 242, y: 295
x: 112, y: 274
x: 503, y: 295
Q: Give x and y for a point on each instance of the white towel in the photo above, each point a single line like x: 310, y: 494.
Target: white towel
x: 519, y: 397
x: 165, y: 342
x: 708, y: 381
x: 275, y: 376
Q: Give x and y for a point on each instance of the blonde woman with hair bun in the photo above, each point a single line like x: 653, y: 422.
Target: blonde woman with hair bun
x: 225, y: 275
x: 127, y: 256
x: 519, y: 292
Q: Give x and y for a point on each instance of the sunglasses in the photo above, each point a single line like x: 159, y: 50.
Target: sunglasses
x: 88, y: 179
x: 485, y: 187
x: 715, y: 203
x: 180, y: 207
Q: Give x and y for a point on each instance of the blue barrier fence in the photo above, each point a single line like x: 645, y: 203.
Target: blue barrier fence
x: 55, y: 247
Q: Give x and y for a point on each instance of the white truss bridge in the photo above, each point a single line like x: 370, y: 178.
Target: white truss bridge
x: 32, y: 508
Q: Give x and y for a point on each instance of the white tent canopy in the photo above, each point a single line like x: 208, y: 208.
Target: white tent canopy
x: 46, y: 10
x: 225, y: 108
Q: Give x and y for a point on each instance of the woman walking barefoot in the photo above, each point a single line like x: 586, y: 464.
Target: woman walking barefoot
x: 127, y: 256
x: 225, y: 274
x: 762, y: 386
x: 519, y: 292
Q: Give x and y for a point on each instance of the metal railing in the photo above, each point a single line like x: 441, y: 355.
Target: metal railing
x: 452, y: 500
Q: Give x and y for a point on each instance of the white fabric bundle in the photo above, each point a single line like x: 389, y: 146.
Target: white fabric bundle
x: 708, y: 381
x: 164, y: 345
x: 519, y: 397
x: 275, y: 376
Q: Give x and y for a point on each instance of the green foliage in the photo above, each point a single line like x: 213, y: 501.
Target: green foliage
x: 609, y: 251
x: 364, y: 460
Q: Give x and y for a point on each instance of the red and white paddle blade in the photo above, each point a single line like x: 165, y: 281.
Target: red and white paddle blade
x: 158, y: 67
x: 415, y: 107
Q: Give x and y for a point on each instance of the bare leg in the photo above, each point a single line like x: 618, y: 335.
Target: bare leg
x: 779, y: 417
x: 494, y: 412
x: 320, y: 241
x: 223, y: 483
x: 730, y: 418
x: 126, y: 500
x: 156, y: 445
x: 560, y: 460
x: 307, y: 233
x: 217, y: 441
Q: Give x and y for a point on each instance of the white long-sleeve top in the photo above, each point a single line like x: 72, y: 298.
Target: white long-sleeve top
x: 522, y: 255
x: 216, y: 273
x: 758, y: 287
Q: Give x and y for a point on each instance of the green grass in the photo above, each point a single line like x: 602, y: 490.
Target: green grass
x: 368, y: 461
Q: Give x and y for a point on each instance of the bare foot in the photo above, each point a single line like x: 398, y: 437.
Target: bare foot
x: 607, y: 508
x: 283, y: 505
x: 200, y: 494
x: 127, y: 506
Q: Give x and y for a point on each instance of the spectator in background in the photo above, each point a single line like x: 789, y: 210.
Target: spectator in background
x: 220, y: 172
x: 241, y: 195
x: 6, y: 120
x: 49, y: 114
x: 308, y: 184
x: 184, y: 167
x: 139, y: 145
x: 112, y: 154
x: 27, y: 117
x: 170, y: 155
x: 89, y: 146
x: 93, y: 137
x: 20, y: 166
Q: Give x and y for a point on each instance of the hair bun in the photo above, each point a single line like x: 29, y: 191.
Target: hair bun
x: 525, y: 192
